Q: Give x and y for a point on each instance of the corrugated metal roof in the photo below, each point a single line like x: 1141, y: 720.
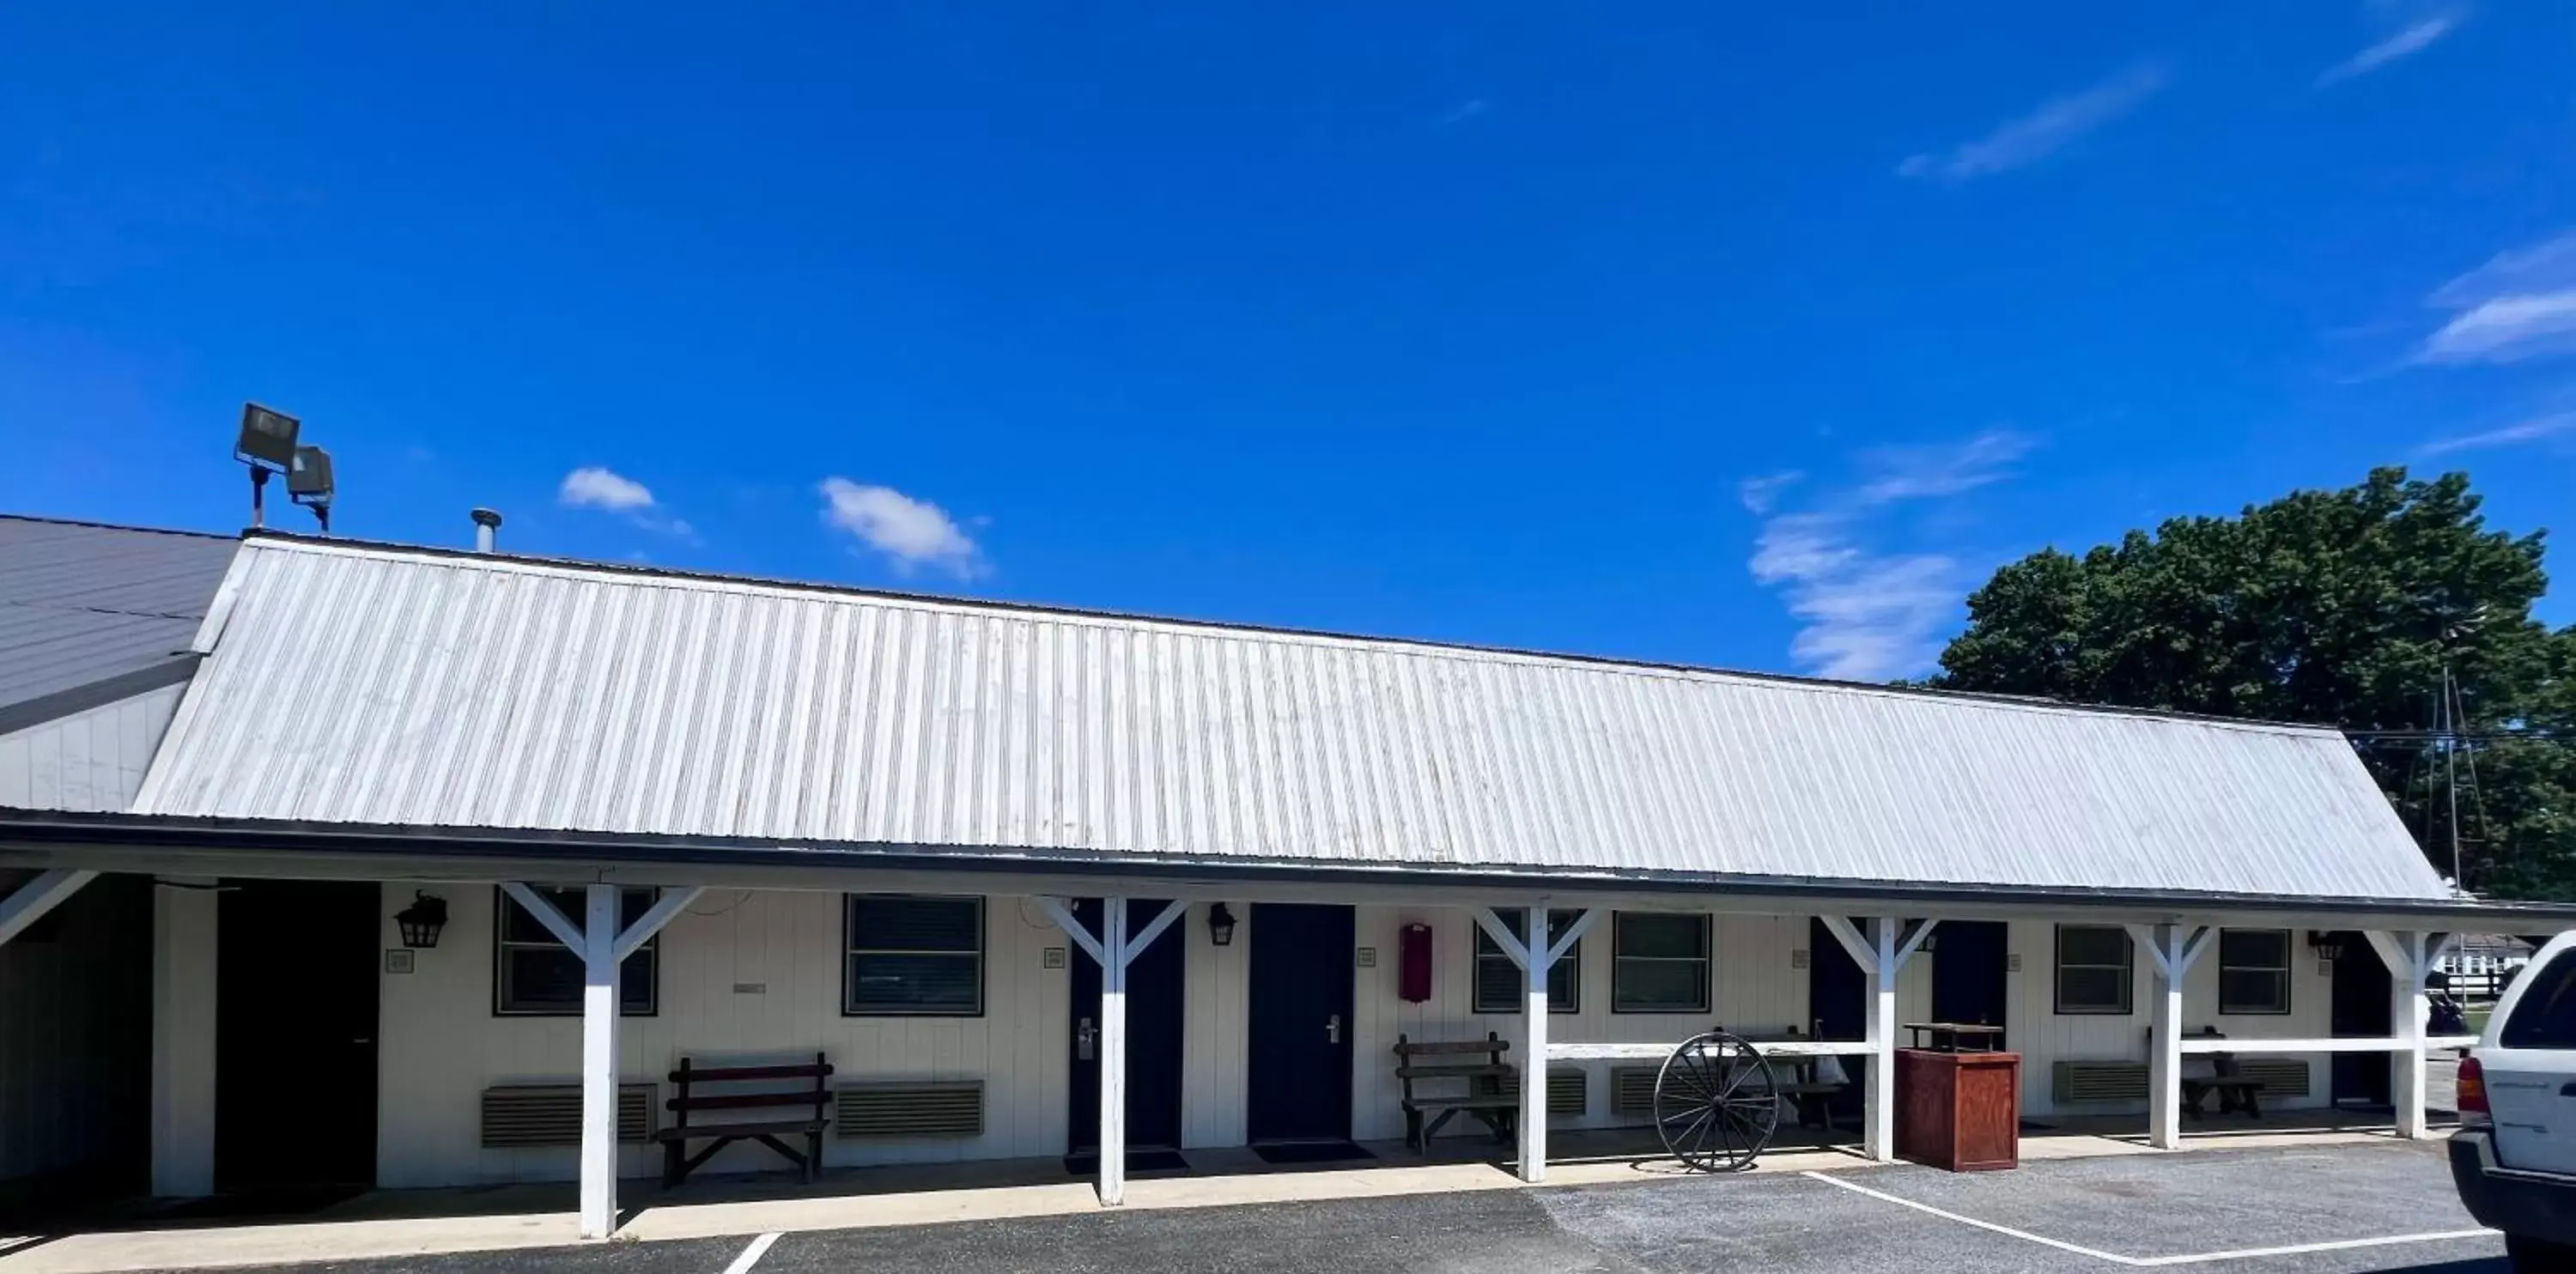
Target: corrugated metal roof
x: 383, y: 686
x: 81, y: 603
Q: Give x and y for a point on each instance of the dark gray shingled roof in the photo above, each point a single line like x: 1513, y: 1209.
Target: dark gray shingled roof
x: 84, y: 605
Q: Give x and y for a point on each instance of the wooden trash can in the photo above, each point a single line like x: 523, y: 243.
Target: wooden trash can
x: 1958, y: 1110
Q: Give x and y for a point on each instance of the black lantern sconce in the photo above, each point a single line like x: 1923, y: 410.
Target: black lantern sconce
x: 1220, y: 925
x: 421, y: 921
x: 2328, y: 945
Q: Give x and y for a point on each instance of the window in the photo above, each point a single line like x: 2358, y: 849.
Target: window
x: 1499, y: 985
x: 2253, y: 970
x: 1658, y: 962
x: 2545, y: 1016
x: 913, y: 956
x: 2093, y: 969
x: 535, y: 975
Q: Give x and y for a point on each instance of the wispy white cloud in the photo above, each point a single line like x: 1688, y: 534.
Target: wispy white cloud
x: 2554, y: 425
x: 2520, y: 305
x: 594, y: 487
x: 1912, y: 473
x: 2041, y: 133
x: 910, y: 533
x: 2408, y: 41
x: 1867, y: 613
x: 1761, y: 494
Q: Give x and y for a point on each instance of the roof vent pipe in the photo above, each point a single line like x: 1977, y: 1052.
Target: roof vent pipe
x: 486, y: 522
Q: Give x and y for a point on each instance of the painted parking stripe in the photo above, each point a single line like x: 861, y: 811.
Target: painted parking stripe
x: 2299, y: 1249
x: 2152, y: 1262
x: 751, y: 1255
x: 2006, y: 1230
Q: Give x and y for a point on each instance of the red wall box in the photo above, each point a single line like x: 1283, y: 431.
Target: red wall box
x: 1413, y: 948
x: 1960, y: 1111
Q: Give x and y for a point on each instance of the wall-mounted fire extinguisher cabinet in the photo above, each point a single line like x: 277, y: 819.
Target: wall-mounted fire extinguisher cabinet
x: 1413, y: 949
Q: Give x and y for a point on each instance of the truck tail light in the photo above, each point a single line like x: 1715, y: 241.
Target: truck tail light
x: 2473, y: 1095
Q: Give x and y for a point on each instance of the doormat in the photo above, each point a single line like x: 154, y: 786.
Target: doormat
x: 1088, y: 1164
x: 301, y: 1201
x: 2033, y: 1125
x: 1310, y: 1152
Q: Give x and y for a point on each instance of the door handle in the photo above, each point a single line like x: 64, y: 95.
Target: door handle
x: 1333, y: 1029
x: 1082, y: 1038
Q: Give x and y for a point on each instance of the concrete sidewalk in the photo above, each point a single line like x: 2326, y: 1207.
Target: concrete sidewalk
x: 420, y: 1223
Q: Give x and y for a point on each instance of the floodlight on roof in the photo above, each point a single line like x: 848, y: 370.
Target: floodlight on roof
x: 308, y: 483
x: 267, y: 445
x: 267, y: 438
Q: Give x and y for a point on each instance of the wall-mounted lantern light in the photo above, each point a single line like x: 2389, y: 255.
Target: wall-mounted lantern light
x: 2328, y: 945
x: 421, y: 921
x: 1220, y: 925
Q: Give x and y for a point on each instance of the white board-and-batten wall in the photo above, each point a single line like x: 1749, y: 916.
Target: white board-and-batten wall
x: 757, y: 975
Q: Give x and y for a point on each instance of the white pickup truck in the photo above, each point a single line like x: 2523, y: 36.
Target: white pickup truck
x: 2514, y: 1157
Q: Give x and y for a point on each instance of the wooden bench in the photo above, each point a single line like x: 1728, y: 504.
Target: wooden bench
x: 1807, y: 1095
x: 2217, y: 1073
x: 808, y: 1094
x: 1464, y: 1061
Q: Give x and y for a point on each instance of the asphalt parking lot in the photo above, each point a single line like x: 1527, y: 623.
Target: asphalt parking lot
x: 2302, y: 1211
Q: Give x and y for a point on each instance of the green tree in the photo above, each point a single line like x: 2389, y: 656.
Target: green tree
x: 2331, y: 607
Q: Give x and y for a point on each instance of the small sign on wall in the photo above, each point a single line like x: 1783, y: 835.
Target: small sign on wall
x: 398, y: 960
x: 1798, y: 958
x: 1051, y: 958
x: 1368, y: 957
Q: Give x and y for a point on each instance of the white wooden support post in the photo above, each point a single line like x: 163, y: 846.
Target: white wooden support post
x: 1879, y: 1106
x: 29, y: 902
x: 603, y: 944
x: 599, y: 1009
x: 1112, y: 949
x: 1534, y: 966
x: 1881, y: 954
x: 2409, y: 957
x: 1539, y: 957
x: 1113, y: 1051
x: 1534, y: 955
x: 2170, y: 950
x: 2164, y: 1036
x: 184, y: 1008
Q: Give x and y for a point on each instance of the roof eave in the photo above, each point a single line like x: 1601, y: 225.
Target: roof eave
x: 218, y: 846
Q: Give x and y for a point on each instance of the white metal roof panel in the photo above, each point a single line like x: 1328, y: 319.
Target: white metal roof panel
x: 383, y: 686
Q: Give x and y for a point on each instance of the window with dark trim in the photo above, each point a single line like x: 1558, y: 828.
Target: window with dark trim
x: 909, y: 955
x: 1659, y: 962
x: 1499, y: 985
x: 534, y: 975
x: 2253, y: 970
x: 2094, y: 964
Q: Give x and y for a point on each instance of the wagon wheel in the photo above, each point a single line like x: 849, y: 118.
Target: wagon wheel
x: 1716, y: 1103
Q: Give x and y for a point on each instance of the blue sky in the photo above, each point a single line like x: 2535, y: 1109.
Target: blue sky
x: 1725, y: 335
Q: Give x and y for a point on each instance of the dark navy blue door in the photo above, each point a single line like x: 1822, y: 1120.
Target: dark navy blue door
x: 1970, y: 985
x: 1838, y: 1004
x: 1300, y: 1071
x: 2360, y: 1007
x: 1153, y: 1034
